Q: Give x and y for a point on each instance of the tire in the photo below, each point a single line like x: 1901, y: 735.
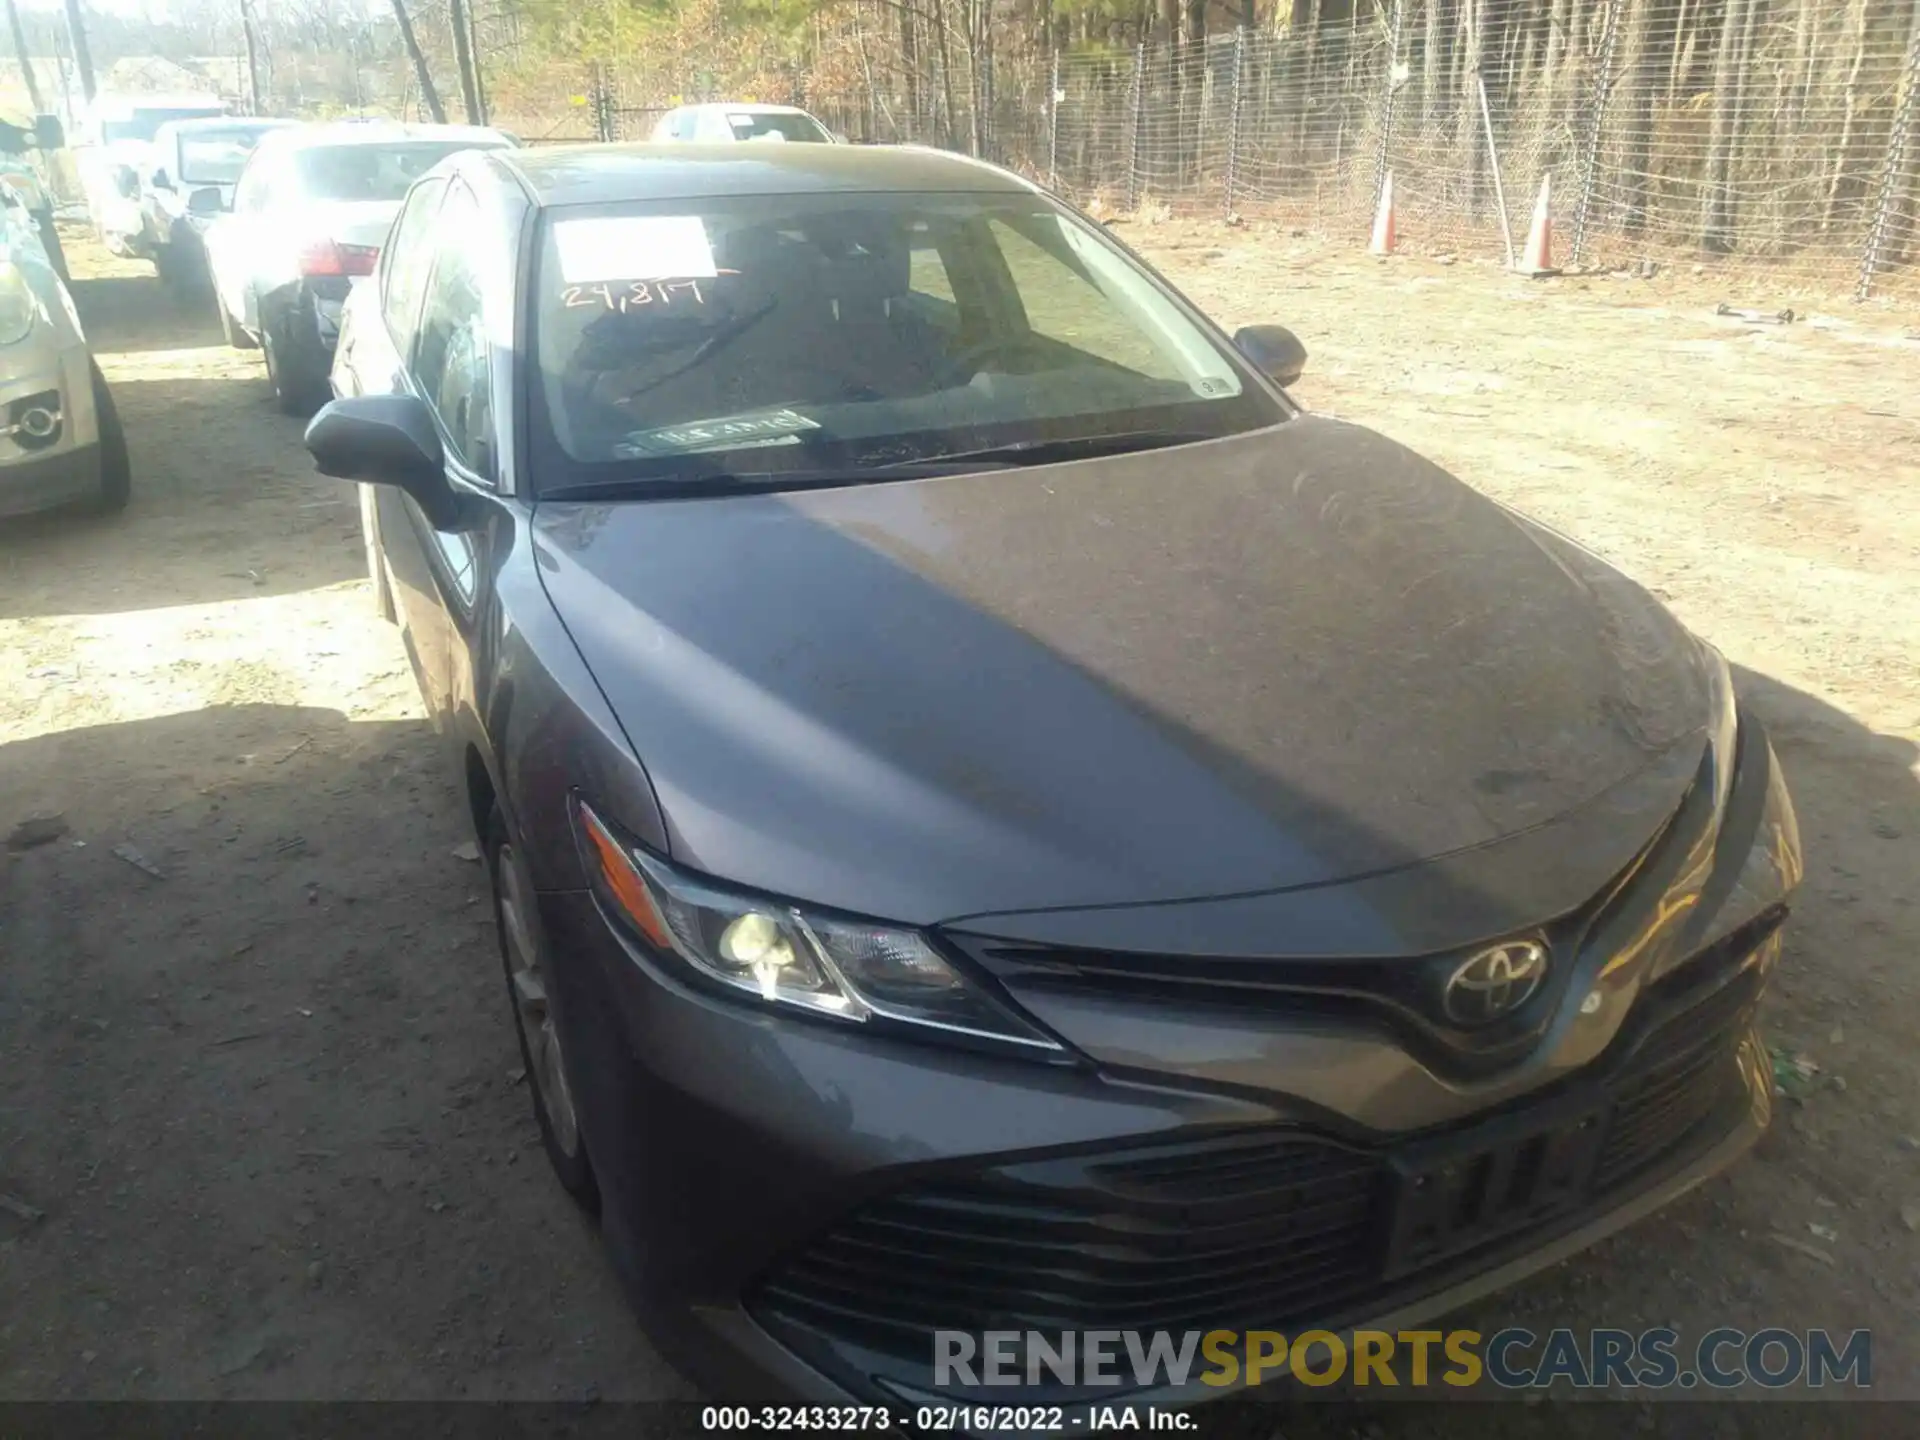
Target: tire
x: 541, y: 1052
x: 50, y: 238
x: 185, y: 271
x: 295, y: 390
x: 116, y: 467
x: 376, y: 559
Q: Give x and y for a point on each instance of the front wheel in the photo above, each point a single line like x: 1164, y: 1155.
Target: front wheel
x: 166, y: 266
x: 529, y: 986
x: 116, y: 466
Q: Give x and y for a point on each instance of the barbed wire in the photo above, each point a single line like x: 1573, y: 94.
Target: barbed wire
x: 1780, y: 146
x: 1736, y: 134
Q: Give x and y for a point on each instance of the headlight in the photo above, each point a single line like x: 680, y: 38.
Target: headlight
x: 1723, y: 725
x: 787, y: 956
x: 17, y: 305
x: 1769, y: 874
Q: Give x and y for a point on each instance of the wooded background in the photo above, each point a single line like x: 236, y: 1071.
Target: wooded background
x: 1781, y: 134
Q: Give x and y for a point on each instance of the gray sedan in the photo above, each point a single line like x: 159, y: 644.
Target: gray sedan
x: 999, y: 820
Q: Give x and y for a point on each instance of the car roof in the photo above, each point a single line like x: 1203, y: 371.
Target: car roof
x: 742, y: 107
x: 333, y: 133
x: 226, y: 122
x: 599, y: 174
x: 109, y: 105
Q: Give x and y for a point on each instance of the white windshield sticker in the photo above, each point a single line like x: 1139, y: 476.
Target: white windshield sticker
x: 634, y: 247
x: 733, y: 432
x: 740, y: 120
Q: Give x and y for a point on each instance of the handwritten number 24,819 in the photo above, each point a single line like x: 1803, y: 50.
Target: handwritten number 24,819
x: 632, y: 295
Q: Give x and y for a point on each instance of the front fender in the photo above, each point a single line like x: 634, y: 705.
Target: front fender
x: 527, y: 714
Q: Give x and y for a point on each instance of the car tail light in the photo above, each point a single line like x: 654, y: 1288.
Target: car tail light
x: 329, y: 257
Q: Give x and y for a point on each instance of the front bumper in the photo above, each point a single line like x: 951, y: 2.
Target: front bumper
x: 805, y: 1209
x: 65, y: 468
x: 797, y: 1208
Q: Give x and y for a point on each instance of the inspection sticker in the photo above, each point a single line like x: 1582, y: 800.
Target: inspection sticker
x: 634, y: 247
x: 733, y: 432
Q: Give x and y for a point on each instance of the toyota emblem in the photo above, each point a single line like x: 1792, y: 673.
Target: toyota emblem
x: 1496, y: 982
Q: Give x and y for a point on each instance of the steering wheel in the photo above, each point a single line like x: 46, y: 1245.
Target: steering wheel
x: 970, y: 360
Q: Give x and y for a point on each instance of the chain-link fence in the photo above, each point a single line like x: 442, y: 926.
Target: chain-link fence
x: 1739, y: 133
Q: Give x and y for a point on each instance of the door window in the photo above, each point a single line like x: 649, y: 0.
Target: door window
x: 407, y: 259
x: 452, y: 362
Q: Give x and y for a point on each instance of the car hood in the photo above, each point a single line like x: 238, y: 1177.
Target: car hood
x: 1280, y: 660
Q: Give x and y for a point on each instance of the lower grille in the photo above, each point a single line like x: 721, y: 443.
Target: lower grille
x: 1146, y: 1239
x: 1270, y: 1228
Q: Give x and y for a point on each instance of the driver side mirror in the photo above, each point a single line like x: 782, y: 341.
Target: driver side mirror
x: 206, y: 201
x: 49, y: 133
x: 1275, y: 351
x: 386, y: 440
x: 127, y: 183
x: 161, y: 180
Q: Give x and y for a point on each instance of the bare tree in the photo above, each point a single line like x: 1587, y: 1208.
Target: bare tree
x: 463, y: 59
x: 429, y: 97
x: 26, y: 61
x: 479, y: 68
x: 1723, y: 140
x: 252, y: 34
x: 82, y: 56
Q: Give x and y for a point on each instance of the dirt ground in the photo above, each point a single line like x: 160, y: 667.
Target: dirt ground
x: 267, y: 1104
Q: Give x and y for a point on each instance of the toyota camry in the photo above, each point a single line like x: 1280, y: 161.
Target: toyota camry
x: 999, y: 819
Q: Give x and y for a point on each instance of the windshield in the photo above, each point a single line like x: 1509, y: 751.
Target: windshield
x: 749, y: 125
x: 145, y: 124
x: 216, y: 157
x: 794, y: 335
x: 373, y: 172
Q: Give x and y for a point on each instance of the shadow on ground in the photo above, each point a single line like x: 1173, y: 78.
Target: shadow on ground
x: 268, y: 1098
x: 132, y: 314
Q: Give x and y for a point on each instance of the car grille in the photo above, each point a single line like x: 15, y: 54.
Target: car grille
x: 1266, y: 1228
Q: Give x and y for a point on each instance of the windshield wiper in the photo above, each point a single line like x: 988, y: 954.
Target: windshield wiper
x: 958, y: 462
x: 1053, y: 452
x: 715, y: 482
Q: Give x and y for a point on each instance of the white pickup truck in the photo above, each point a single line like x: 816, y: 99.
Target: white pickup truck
x: 113, y: 148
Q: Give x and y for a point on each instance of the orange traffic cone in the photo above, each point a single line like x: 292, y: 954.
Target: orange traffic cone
x: 1384, y: 235
x: 1538, y: 259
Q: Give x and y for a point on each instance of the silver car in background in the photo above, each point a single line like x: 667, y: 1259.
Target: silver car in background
x: 60, y: 436
x: 310, y: 212
x: 723, y: 122
x: 189, y: 182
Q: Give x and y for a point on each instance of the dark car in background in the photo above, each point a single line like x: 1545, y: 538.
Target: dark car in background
x: 998, y: 818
